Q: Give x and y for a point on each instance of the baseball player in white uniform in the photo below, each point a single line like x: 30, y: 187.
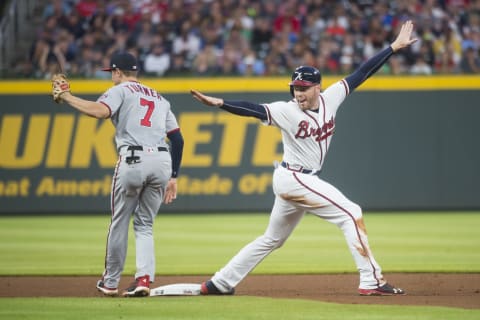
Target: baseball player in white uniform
x: 307, y: 124
x: 145, y: 173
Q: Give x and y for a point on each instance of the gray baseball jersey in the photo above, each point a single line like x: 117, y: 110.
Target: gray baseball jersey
x: 142, y: 118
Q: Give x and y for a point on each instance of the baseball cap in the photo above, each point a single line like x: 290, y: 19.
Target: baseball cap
x: 123, y: 61
x: 305, y: 76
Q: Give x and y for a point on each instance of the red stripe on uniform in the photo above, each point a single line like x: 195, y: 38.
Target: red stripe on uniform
x: 324, y: 120
x: 109, y: 109
x: 115, y: 175
x: 345, y: 85
x: 174, y: 130
x: 112, y: 207
x: 351, y: 217
x: 269, y: 116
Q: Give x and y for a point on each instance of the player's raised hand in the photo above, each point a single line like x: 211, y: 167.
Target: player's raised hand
x: 404, y: 36
x: 209, y: 101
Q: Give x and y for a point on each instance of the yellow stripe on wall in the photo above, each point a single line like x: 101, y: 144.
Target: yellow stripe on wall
x: 248, y: 84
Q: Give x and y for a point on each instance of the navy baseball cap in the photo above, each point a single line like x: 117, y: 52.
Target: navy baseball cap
x: 123, y: 61
x: 305, y: 76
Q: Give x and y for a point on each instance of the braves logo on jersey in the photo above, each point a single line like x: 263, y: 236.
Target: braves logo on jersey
x: 320, y: 133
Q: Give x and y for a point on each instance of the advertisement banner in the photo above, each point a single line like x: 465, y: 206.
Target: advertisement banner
x: 54, y: 159
x: 392, y: 150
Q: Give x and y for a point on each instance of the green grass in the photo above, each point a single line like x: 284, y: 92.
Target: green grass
x: 200, y: 244
x: 208, y: 308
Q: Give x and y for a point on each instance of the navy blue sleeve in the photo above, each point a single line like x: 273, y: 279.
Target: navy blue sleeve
x: 246, y: 109
x: 368, y: 68
x: 176, y: 143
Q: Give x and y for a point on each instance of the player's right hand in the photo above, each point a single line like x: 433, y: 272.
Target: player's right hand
x: 170, y: 191
x: 207, y: 100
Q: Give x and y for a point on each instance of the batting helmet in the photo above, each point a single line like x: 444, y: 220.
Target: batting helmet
x: 305, y: 76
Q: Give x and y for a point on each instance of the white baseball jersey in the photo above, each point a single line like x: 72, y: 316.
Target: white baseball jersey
x: 141, y: 116
x: 306, y: 137
x: 298, y: 190
x: 307, y: 134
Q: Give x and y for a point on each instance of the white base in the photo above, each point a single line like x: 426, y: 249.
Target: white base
x: 177, y: 289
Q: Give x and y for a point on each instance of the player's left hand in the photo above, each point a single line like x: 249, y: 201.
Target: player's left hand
x: 60, y: 86
x: 403, y: 39
x: 171, y: 191
x: 209, y: 101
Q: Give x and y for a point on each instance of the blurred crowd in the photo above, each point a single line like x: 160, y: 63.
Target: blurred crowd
x: 247, y: 37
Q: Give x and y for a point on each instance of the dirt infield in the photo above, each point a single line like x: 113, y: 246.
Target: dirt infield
x: 428, y: 289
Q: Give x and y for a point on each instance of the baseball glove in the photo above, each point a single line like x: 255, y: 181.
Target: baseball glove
x: 60, y: 85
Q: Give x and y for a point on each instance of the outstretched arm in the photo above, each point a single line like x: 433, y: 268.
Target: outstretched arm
x: 207, y: 100
x: 372, y: 65
x: 61, y: 93
x: 90, y: 108
x: 241, y: 108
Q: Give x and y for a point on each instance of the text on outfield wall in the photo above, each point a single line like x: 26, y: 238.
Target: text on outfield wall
x: 78, y: 141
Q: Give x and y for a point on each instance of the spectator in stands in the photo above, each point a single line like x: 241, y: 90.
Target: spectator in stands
x: 212, y: 32
x: 336, y: 29
x: 329, y: 53
x: 144, y: 36
x: 84, y: 63
x: 250, y: 65
x: 178, y: 66
x: 74, y: 24
x: 119, y: 42
x: 347, y: 55
x: 157, y: 62
x: 56, y: 8
x: 186, y: 42
x: 49, y: 30
x: 156, y: 10
x: 421, y: 67
x: 447, y: 48
x: 277, y: 57
x: 314, y: 26
x: 470, y: 62
x: 336, y: 36
x: 295, y: 58
x: 237, y: 42
x: 205, y: 62
x: 98, y: 71
x: 287, y: 19
x: 229, y: 59
x: 130, y: 16
x: 86, y: 8
x: 242, y: 22
x: 53, y: 59
x: 115, y: 22
x: 261, y: 35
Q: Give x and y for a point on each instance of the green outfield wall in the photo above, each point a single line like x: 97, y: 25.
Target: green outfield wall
x: 400, y: 143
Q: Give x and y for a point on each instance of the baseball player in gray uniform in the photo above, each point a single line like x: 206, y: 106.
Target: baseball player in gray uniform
x: 145, y: 173
x: 307, y: 123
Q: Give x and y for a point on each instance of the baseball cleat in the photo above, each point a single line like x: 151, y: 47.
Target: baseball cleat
x: 139, y: 288
x: 385, y: 290
x: 111, y: 292
x: 209, y: 288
